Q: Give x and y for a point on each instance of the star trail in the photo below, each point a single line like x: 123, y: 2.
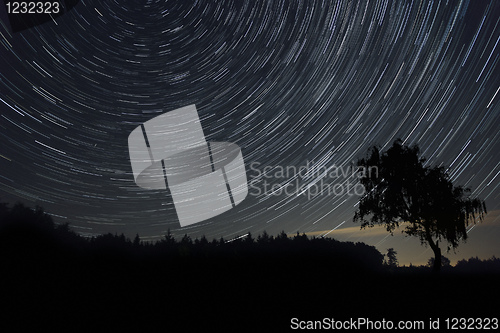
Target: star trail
x: 293, y: 83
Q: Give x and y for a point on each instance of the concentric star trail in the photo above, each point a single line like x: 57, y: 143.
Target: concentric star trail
x: 294, y: 83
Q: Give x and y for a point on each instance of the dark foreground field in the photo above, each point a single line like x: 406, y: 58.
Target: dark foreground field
x: 55, y: 279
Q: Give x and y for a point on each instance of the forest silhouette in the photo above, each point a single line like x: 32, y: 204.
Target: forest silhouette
x: 53, y: 276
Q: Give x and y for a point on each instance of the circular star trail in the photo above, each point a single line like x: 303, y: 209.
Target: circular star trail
x: 294, y: 83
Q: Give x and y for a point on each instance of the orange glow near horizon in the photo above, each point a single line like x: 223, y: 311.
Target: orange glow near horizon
x: 480, y: 241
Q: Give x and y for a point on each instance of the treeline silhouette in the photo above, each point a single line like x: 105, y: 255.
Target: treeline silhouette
x: 31, y: 231
x: 23, y: 229
x: 56, y: 277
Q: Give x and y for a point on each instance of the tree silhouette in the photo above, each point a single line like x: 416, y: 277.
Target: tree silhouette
x: 405, y: 191
x: 392, y: 260
x: 264, y: 238
x: 168, y: 239
x: 137, y: 240
x: 249, y: 239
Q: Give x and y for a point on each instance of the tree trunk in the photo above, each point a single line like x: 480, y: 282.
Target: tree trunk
x: 437, y: 259
x: 437, y: 252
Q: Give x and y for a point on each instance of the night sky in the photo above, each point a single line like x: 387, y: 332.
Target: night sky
x: 293, y: 83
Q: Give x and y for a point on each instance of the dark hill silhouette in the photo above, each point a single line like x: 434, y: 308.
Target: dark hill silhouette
x: 53, y: 276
